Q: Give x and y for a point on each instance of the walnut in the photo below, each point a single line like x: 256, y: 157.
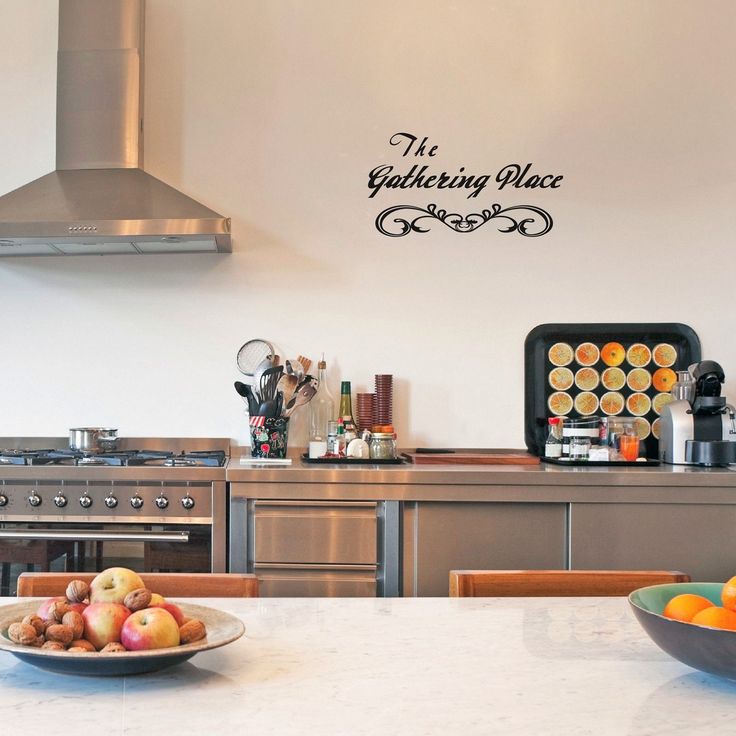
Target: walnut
x: 137, y: 599
x: 75, y: 622
x: 77, y: 591
x: 36, y: 622
x: 55, y: 645
x: 81, y: 645
x: 58, y: 609
x: 113, y: 646
x: 21, y: 633
x: 192, y: 630
x: 59, y: 632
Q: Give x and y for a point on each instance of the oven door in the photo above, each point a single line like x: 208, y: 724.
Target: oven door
x: 94, y: 547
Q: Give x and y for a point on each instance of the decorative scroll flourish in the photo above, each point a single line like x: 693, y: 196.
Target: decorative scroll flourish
x: 539, y: 221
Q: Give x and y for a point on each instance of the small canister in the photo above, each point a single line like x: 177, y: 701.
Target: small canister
x: 383, y: 446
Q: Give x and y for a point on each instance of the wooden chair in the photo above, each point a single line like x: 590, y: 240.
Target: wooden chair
x: 168, y: 584
x: 506, y: 583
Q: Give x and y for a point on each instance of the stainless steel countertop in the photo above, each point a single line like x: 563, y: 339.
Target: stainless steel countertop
x: 663, y: 483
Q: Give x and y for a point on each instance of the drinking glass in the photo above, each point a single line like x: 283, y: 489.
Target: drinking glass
x: 629, y: 446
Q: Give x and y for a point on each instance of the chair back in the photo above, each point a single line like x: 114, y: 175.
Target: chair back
x: 167, y: 584
x: 505, y: 583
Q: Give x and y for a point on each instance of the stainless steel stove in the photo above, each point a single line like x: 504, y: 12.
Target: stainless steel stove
x: 152, y: 504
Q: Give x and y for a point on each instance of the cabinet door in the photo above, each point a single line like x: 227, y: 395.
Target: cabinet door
x: 439, y: 537
x: 693, y: 538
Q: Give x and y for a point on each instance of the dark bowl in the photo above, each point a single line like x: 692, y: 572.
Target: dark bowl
x: 702, y: 647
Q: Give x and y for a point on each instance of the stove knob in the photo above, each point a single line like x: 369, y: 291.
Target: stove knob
x: 110, y: 501
x: 136, y: 501
x: 162, y: 502
x: 3, y: 499
x: 34, y: 499
x: 187, y: 502
x: 85, y: 501
x: 60, y: 500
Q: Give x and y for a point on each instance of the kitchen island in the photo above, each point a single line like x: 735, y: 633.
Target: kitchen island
x: 430, y: 519
x: 393, y: 666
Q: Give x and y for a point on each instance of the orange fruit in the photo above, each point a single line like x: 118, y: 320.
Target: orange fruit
x: 613, y: 379
x: 641, y: 427
x: 560, y: 403
x: 638, y: 404
x: 587, y: 354
x: 717, y: 617
x: 655, y: 427
x: 560, y: 378
x: 613, y: 353
x: 560, y: 354
x: 664, y: 355
x: 612, y: 403
x: 660, y: 401
x: 728, y: 594
x: 663, y: 379
x: 586, y: 379
x: 639, y: 379
x: 684, y: 607
x: 638, y: 355
x: 586, y: 403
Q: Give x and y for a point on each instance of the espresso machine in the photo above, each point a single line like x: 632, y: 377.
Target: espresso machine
x: 700, y: 428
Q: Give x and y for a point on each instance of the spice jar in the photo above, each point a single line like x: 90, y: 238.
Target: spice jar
x: 383, y: 446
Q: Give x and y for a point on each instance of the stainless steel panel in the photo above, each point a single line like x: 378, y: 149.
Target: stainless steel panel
x: 693, y: 538
x: 314, y: 581
x: 315, y: 532
x: 439, y: 537
x: 78, y: 535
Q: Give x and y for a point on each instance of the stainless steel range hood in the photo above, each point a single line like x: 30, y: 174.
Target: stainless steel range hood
x: 99, y: 200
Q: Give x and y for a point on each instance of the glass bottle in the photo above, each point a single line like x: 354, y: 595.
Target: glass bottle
x: 346, y: 410
x: 553, y: 444
x: 321, y: 407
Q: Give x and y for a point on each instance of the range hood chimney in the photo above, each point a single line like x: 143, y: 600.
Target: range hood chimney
x: 99, y: 200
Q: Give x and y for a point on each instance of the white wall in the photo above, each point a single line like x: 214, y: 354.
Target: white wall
x: 274, y: 113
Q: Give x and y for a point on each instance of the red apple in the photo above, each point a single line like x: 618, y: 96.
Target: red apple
x: 150, y: 628
x: 103, y: 622
x: 172, y: 608
x: 43, y: 609
x: 113, y: 584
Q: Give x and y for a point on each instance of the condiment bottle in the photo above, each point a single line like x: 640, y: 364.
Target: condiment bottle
x: 321, y: 408
x: 553, y: 444
x: 346, y: 411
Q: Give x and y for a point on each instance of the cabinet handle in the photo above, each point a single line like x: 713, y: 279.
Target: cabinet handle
x: 338, y: 504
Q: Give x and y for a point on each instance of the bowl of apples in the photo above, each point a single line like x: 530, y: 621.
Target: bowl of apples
x: 113, y: 626
x: 693, y: 622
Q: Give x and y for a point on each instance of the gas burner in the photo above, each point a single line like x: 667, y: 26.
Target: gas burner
x: 21, y: 457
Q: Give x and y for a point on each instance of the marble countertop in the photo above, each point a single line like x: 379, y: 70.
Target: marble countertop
x: 392, y: 666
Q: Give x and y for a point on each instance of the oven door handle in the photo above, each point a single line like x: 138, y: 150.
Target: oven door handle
x: 80, y: 536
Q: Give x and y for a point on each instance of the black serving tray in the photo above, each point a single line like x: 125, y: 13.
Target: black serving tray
x: 537, y: 367
x: 599, y: 463
x: 350, y: 461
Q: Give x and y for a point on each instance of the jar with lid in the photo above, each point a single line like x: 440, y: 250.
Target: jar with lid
x: 383, y: 446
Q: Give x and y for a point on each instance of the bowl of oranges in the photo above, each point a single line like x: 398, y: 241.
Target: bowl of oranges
x: 693, y: 622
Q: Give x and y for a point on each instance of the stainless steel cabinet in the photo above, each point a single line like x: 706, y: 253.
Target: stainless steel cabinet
x: 694, y: 538
x: 317, y: 547
x: 439, y: 537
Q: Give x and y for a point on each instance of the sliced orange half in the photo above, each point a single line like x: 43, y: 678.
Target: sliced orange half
x: 586, y: 379
x: 560, y: 403
x: 642, y: 427
x: 613, y: 379
x: 587, y: 354
x: 612, y: 403
x: 638, y: 404
x: 613, y: 353
x: 586, y: 403
x: 663, y: 379
x: 560, y: 354
x: 655, y: 427
x: 660, y: 401
x: 638, y: 355
x: 639, y: 379
x: 561, y: 378
x: 664, y: 355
